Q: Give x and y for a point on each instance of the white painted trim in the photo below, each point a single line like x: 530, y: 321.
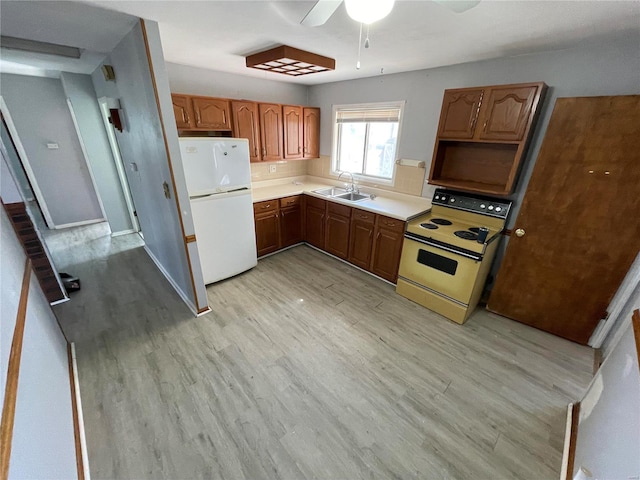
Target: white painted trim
x: 63, y: 300
x: 103, y: 104
x: 616, y: 307
x: 83, y: 438
x: 79, y: 224
x: 86, y: 158
x: 175, y: 286
x: 208, y: 310
x: 25, y: 163
x: 123, y: 232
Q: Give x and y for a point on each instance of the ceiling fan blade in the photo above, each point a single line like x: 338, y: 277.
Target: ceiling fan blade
x: 458, y: 6
x: 320, y: 13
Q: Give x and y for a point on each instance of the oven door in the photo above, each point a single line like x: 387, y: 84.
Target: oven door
x: 445, y: 270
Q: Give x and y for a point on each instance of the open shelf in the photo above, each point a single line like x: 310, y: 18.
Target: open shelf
x: 475, y: 166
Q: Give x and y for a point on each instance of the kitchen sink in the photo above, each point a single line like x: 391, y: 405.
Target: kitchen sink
x: 331, y: 192
x: 352, y: 196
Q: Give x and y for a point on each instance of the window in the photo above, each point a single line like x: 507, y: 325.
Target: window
x: 365, y: 138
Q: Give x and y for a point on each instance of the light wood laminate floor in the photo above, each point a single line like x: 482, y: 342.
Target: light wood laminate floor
x: 309, y: 368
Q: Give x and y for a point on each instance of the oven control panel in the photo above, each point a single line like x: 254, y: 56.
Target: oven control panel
x: 472, y: 203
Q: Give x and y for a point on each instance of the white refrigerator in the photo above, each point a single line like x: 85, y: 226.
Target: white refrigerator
x: 218, y: 176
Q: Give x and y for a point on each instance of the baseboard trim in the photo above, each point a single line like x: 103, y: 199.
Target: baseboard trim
x: 82, y: 458
x: 175, y: 286
x: 79, y: 224
x: 123, y: 232
x: 570, y: 438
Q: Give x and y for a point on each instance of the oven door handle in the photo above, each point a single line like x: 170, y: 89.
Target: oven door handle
x: 425, y: 241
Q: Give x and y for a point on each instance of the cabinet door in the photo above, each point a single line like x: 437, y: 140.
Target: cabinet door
x: 315, y: 226
x: 459, y: 113
x: 182, y: 111
x: 270, y: 131
x: 387, y: 247
x: 246, y: 125
x: 290, y: 226
x: 311, y: 137
x: 293, y: 128
x: 506, y: 112
x: 267, y: 232
x: 211, y: 113
x: 361, y: 238
x: 337, y: 235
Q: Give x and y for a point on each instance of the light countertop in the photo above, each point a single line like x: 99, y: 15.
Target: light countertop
x: 396, y: 205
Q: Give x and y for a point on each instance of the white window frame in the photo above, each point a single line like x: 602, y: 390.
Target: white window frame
x: 364, y: 106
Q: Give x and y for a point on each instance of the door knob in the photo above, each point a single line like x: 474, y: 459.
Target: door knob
x: 520, y: 232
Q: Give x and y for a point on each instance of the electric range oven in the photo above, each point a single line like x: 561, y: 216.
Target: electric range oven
x: 447, y: 253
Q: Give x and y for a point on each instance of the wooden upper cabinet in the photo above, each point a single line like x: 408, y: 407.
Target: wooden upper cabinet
x: 246, y: 125
x: 270, y: 131
x: 182, y: 111
x: 311, y: 136
x: 506, y: 113
x: 459, y: 113
x: 483, y: 135
x: 211, y: 113
x: 293, y: 129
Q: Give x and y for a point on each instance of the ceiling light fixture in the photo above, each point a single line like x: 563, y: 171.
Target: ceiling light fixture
x: 368, y: 11
x: 290, y: 61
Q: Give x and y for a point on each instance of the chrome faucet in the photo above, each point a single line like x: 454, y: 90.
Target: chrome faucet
x: 350, y: 188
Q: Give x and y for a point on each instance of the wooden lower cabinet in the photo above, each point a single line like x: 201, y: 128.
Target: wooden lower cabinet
x: 291, y: 231
x: 315, y: 221
x: 336, y: 239
x: 267, y: 221
x: 361, y: 238
x: 387, y: 247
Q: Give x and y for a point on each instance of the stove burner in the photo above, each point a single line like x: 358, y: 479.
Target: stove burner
x: 440, y: 221
x: 429, y: 226
x: 475, y: 229
x: 466, y: 234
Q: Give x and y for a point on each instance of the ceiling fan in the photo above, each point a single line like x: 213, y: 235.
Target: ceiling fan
x: 324, y: 9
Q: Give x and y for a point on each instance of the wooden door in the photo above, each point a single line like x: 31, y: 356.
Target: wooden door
x: 290, y: 226
x: 267, y: 232
x: 506, y: 112
x: 459, y: 113
x: 311, y: 136
x: 270, y: 131
x: 246, y: 125
x: 293, y: 128
x: 182, y: 111
x: 314, y: 221
x: 211, y: 113
x: 361, y: 238
x: 336, y: 238
x: 579, y: 219
x: 387, y: 247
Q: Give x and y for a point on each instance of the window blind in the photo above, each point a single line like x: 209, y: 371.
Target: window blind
x: 372, y: 115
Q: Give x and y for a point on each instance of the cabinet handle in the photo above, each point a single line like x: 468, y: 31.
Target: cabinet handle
x: 282, y: 214
x: 264, y: 152
x: 224, y: 117
x: 276, y: 214
x: 198, y: 117
x: 255, y: 149
x: 364, y: 216
x: 298, y: 149
x: 378, y: 236
x: 370, y: 233
x: 266, y: 206
x: 484, y: 128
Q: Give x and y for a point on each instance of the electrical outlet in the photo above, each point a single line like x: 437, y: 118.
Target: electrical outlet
x: 272, y: 169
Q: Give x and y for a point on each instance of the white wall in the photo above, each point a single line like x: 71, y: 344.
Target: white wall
x: 198, y: 81
x: 142, y: 143
x: 608, y: 442
x: 43, y: 436
x: 39, y: 110
x: 80, y: 92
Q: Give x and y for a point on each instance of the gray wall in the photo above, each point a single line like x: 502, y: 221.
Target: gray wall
x: 41, y: 115
x: 142, y: 143
x: 608, y: 442
x: 198, y: 81
x: 79, y: 90
x: 15, y: 166
x: 43, y: 436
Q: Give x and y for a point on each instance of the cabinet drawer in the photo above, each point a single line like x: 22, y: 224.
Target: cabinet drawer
x: 267, y: 206
x: 290, y: 201
x: 339, y: 209
x: 390, y: 223
x: 363, y: 216
x: 315, y: 202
